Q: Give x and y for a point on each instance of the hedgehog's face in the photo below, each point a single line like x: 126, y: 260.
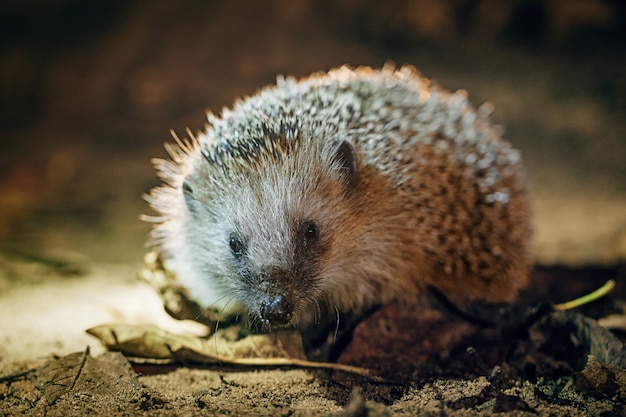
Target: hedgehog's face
x: 264, y: 237
x: 276, y: 272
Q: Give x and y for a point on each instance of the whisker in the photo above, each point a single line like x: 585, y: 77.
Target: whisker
x: 222, y: 314
x: 318, y: 311
x: 250, y: 321
x: 217, y: 353
x: 337, y: 316
x: 230, y: 293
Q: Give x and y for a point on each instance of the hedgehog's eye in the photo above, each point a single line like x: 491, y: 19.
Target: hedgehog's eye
x: 187, y: 188
x: 236, y: 245
x: 190, y: 201
x: 310, y: 231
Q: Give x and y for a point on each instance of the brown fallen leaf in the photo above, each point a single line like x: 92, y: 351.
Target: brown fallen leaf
x: 147, y: 341
x: 154, y: 345
x: 60, y: 376
x: 80, y: 374
x: 601, y: 380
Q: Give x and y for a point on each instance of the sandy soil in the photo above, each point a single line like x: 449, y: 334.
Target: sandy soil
x: 88, y: 97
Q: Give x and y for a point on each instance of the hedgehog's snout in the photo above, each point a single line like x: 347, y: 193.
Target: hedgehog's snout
x: 274, y: 303
x: 276, y: 310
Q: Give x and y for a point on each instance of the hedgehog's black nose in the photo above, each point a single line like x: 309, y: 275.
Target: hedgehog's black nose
x: 276, y: 310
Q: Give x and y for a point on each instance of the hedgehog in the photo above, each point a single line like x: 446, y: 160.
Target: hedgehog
x: 340, y: 192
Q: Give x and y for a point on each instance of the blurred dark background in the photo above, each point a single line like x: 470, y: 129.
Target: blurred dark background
x: 89, y: 91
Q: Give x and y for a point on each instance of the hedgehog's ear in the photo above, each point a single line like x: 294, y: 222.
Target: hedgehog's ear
x: 348, y: 164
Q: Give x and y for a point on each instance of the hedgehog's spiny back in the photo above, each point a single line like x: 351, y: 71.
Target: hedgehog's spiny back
x: 385, y: 114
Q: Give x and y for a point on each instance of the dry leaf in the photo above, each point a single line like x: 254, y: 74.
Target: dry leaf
x: 81, y: 374
x: 147, y: 341
x: 602, y: 380
x: 61, y: 375
x: 156, y: 345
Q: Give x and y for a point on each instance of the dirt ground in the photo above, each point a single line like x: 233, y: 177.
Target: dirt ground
x: 88, y: 95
